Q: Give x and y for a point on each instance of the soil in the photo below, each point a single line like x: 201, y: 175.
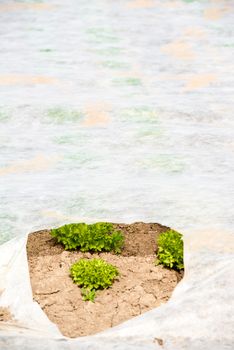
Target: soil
x: 140, y: 287
x: 5, y: 315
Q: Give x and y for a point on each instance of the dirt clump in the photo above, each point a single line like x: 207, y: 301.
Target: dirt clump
x: 140, y: 238
x: 140, y: 287
x: 5, y: 315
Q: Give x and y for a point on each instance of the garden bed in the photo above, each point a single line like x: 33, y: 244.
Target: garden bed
x: 140, y: 287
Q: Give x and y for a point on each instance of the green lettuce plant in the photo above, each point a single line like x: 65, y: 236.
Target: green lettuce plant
x: 96, y: 237
x: 92, y: 275
x: 170, y: 250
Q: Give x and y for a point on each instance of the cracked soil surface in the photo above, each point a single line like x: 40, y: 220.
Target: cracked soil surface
x: 140, y: 287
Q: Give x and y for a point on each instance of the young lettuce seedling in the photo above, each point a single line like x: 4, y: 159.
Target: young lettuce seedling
x: 92, y: 275
x: 170, y: 250
x: 97, y: 237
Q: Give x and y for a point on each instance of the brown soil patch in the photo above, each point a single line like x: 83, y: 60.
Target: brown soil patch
x: 5, y: 315
x: 140, y: 287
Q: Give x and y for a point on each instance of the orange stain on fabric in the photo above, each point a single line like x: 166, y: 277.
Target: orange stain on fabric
x: 179, y: 49
x: 25, y: 6
x: 172, y: 4
x: 67, y: 218
x: 215, y: 13
x: 38, y: 163
x: 58, y: 215
x: 17, y: 79
x: 199, y: 81
x: 141, y: 4
x: 216, y: 240
x: 195, y: 32
x: 192, y: 82
x: 135, y: 72
x: 97, y: 115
